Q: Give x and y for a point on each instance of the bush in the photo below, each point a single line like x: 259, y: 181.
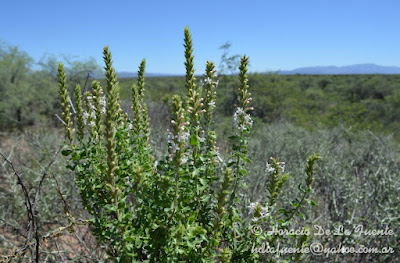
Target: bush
x: 188, y: 206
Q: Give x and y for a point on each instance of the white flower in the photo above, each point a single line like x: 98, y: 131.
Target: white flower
x: 170, y: 136
x: 242, y: 127
x: 235, y: 119
x: 207, y: 80
x: 174, y: 148
x: 211, y: 104
x: 93, y: 115
x: 253, y: 206
x: 184, y: 160
x: 182, y: 136
x: 241, y: 120
x: 202, y: 139
x: 248, y: 120
x: 130, y: 126
x: 239, y: 111
x: 263, y: 213
x: 282, y: 166
x: 102, y: 101
x: 92, y: 124
x: 269, y: 168
x: 91, y: 105
x: 85, y: 117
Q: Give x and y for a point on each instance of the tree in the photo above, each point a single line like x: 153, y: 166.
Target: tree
x: 78, y: 70
x: 229, y: 64
x: 15, y: 67
x: 228, y: 67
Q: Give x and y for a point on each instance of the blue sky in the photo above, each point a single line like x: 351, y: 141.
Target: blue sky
x: 281, y: 34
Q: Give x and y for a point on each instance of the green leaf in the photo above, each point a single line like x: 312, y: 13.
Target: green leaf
x: 66, y: 152
x: 246, y: 159
x: 243, y: 171
x: 71, y: 167
x: 79, y: 169
x: 193, y: 140
x: 203, y: 181
x: 311, y: 202
x: 302, y: 215
x: 196, y: 172
x: 138, y: 243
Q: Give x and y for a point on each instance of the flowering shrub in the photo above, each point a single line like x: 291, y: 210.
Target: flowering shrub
x: 187, y: 206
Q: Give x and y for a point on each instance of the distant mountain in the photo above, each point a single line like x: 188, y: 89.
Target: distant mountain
x: 352, y: 69
x: 126, y: 74
x: 317, y: 70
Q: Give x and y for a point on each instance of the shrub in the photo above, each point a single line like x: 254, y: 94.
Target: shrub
x: 186, y: 207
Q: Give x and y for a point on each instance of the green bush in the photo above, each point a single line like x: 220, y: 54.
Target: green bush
x: 188, y: 206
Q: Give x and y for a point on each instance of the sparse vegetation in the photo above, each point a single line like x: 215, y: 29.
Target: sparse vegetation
x: 175, y: 179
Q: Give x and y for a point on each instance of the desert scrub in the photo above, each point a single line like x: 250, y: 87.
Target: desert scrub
x: 357, y: 184
x: 186, y: 206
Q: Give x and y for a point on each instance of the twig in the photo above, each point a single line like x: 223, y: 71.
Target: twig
x: 31, y: 216
x: 59, y: 253
x: 72, y: 106
x: 45, y: 173
x: 31, y: 206
x: 59, y: 118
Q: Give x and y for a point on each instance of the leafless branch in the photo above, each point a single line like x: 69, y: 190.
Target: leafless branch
x: 45, y: 173
x: 31, y: 216
x: 59, y: 118
x: 32, y: 227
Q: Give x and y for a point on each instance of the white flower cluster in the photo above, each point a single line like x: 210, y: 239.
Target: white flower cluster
x: 264, y: 210
x: 202, y: 138
x: 92, y: 117
x: 93, y: 110
x: 209, y: 81
x: 242, y: 120
x: 270, y: 169
x: 184, y: 159
x: 182, y: 136
x: 103, y: 104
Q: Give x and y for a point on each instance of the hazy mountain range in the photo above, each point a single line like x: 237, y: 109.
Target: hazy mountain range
x: 317, y: 70
x: 352, y: 69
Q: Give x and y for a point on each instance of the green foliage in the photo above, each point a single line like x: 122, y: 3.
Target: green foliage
x: 176, y: 209
x: 28, y: 96
x: 77, y: 70
x: 15, y: 93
